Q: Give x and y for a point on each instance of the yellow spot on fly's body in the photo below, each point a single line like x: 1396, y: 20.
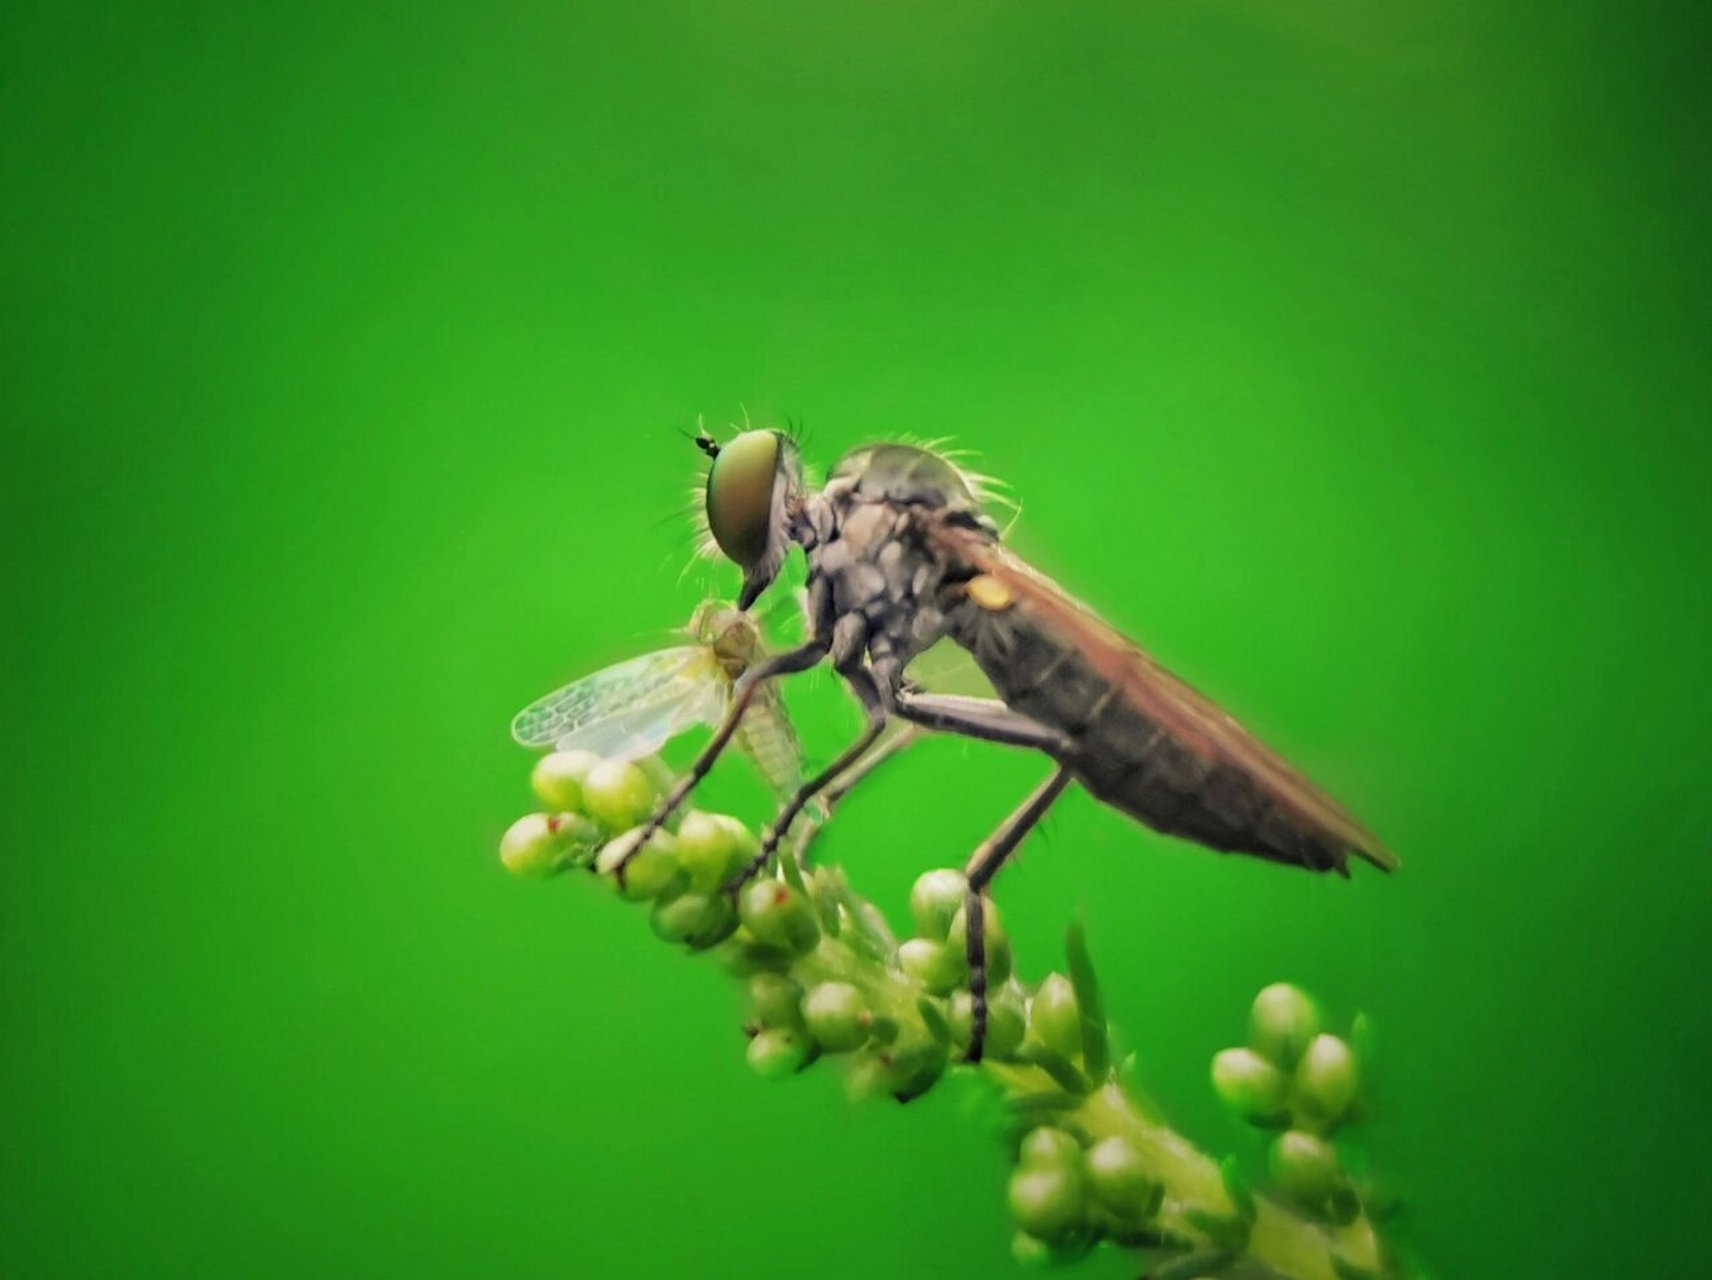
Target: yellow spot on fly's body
x: 991, y: 594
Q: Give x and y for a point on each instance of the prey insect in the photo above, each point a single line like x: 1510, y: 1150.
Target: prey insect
x: 630, y: 710
x: 901, y: 555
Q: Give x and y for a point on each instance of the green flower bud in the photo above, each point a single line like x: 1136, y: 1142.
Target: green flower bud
x: 837, y: 1016
x: 1007, y: 1021
x: 558, y: 779
x: 870, y: 1075
x: 744, y: 842
x: 935, y: 899
x: 993, y: 935
x: 778, y: 1052
x: 902, y: 1070
x: 1054, y: 1017
x: 617, y: 795
x: 695, y: 919
x: 915, y: 1067
x: 1305, y: 1165
x: 779, y: 916
x: 1327, y: 1077
x: 1249, y: 1084
x: 933, y: 964
x: 539, y: 844
x: 1119, y: 1177
x: 1031, y: 1251
x: 776, y: 1000
x: 1035, y: 1253
x: 706, y: 851
x: 1282, y: 1022
x: 1047, y: 1200
x: 1046, y: 1146
x: 649, y: 873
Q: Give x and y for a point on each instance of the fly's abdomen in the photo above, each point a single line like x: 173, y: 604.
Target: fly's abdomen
x: 1126, y: 757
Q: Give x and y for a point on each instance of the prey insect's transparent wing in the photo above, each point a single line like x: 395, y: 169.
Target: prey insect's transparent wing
x: 631, y: 709
x: 641, y: 731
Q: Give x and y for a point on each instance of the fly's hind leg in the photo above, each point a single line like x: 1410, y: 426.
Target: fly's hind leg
x: 989, y: 720
x: 983, y: 865
x: 861, y: 682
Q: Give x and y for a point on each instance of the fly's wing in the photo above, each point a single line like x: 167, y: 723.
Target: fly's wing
x: 946, y: 667
x: 629, y: 710
x: 1150, y: 744
x: 768, y: 738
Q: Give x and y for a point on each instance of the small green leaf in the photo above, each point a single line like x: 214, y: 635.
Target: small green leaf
x: 1236, y: 1187
x: 827, y: 890
x: 1194, y: 1266
x: 1096, y: 1046
x: 1063, y: 1074
x: 1348, y: 1270
x: 1344, y: 1205
x: 1361, y: 1038
x: 1155, y: 1202
x: 1034, y: 1108
x: 934, y: 1019
x: 1223, y: 1229
x: 792, y: 871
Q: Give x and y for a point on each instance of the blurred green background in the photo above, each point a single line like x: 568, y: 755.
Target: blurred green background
x: 1351, y: 355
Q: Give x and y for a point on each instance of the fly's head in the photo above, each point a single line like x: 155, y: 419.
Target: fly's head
x: 755, y: 496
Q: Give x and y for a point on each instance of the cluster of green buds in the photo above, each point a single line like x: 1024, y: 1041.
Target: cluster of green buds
x: 826, y: 978
x: 596, y: 812
x: 1303, y: 1085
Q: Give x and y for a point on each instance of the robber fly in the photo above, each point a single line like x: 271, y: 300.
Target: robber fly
x: 900, y: 555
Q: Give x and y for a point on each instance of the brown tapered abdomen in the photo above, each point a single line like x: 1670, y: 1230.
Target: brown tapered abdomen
x: 1145, y: 742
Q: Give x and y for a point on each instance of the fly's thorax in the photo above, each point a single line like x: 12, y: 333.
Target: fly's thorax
x: 901, y: 473
x: 883, y: 579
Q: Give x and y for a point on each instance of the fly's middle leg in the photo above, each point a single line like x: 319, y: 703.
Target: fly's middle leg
x: 799, y: 659
x: 861, y: 683
x: 983, y: 865
x: 846, y: 781
x: 985, y: 718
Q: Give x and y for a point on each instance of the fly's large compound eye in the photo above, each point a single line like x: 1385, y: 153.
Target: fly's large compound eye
x: 740, y: 495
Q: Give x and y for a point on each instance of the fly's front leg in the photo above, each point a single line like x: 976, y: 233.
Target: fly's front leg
x: 800, y: 659
x: 983, y: 865
x: 861, y: 682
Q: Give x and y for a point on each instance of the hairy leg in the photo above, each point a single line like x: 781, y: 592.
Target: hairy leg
x: 983, y: 865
